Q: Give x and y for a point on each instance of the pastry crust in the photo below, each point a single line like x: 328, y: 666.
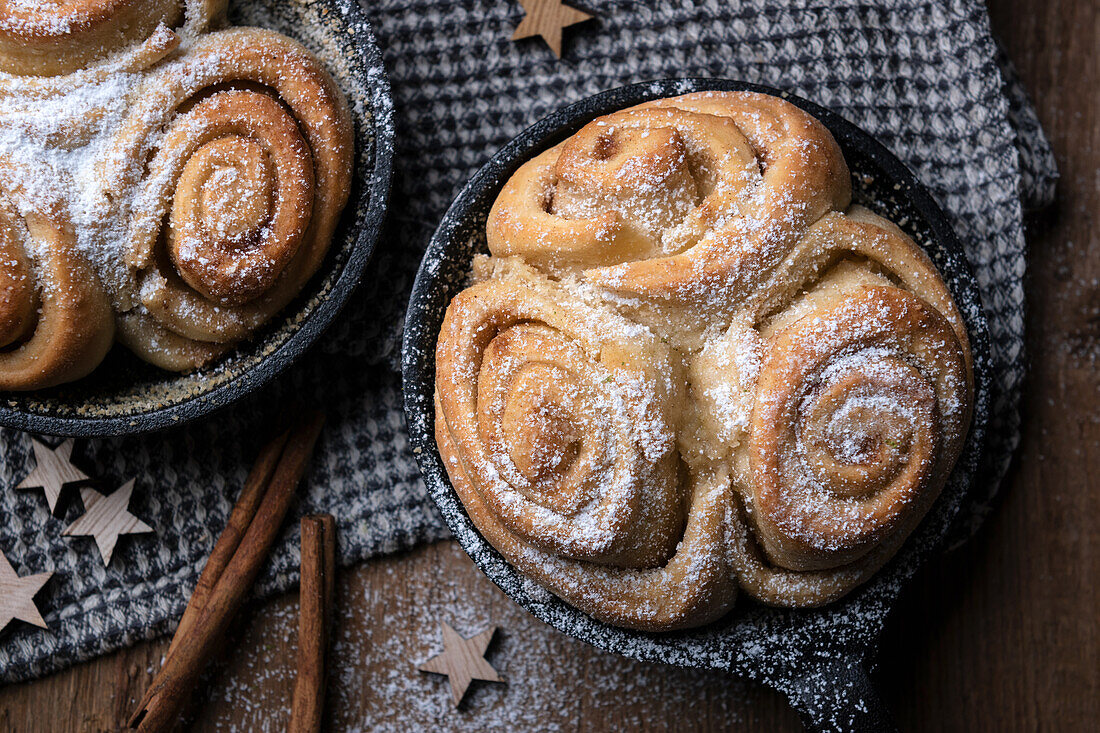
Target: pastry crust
x: 688, y: 199
x: 815, y: 373
x: 210, y: 265
x: 56, y: 323
x: 557, y: 420
x: 195, y: 176
x: 57, y: 37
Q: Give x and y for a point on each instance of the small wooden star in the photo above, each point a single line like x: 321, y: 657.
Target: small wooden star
x: 547, y: 18
x: 462, y: 660
x: 107, y: 517
x: 52, y: 471
x: 17, y: 595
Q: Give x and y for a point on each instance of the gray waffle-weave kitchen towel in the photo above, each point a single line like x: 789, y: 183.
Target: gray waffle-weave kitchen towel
x: 925, y: 77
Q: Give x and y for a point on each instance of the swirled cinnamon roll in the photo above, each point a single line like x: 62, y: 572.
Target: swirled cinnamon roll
x: 838, y: 400
x: 826, y: 389
x: 691, y: 199
x: 557, y: 421
x: 198, y: 175
x: 54, y: 37
x: 248, y: 143
x: 56, y: 323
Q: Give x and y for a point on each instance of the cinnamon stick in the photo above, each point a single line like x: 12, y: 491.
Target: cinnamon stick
x: 192, y: 649
x: 239, y: 519
x: 314, y: 612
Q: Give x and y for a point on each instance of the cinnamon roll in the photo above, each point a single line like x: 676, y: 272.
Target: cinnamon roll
x: 56, y: 323
x: 690, y: 199
x: 249, y: 149
x: 805, y: 431
x: 55, y: 37
x: 557, y: 421
x: 197, y: 177
x: 838, y: 400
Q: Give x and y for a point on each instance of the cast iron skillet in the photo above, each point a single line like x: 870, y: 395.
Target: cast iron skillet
x: 125, y: 395
x: 817, y: 657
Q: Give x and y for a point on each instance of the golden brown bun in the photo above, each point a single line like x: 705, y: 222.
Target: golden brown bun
x: 557, y: 422
x: 200, y: 174
x: 688, y: 199
x: 838, y: 401
x: 55, y: 37
x: 237, y: 207
x: 809, y: 362
x: 56, y: 323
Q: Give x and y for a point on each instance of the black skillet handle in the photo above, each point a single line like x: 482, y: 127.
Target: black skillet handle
x: 838, y: 695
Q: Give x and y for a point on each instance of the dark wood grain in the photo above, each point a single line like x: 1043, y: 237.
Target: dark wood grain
x: 1001, y: 635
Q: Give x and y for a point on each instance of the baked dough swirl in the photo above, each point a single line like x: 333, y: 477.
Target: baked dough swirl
x: 199, y: 174
x: 690, y: 199
x: 56, y: 323
x: 56, y: 37
x: 557, y: 420
x: 838, y: 401
x: 818, y: 404
x: 249, y: 148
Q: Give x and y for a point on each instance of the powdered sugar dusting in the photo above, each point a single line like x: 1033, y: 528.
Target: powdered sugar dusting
x: 59, y: 142
x: 89, y: 138
x: 792, y: 426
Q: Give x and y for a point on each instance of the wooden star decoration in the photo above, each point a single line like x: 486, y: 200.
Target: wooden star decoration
x: 106, y: 518
x: 17, y: 595
x: 52, y: 471
x: 547, y: 18
x: 462, y: 660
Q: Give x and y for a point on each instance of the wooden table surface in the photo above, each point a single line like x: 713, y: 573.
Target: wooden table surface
x: 1001, y: 635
